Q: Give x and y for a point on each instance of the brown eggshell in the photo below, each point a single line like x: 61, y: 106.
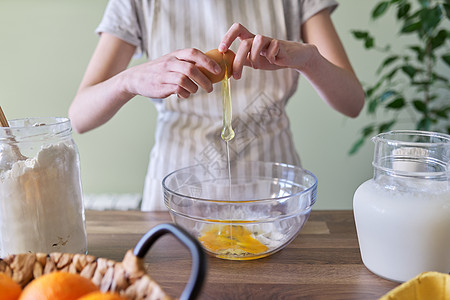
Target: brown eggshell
x: 223, y: 59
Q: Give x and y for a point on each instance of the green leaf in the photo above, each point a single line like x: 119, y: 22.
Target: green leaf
x: 356, y: 146
x: 369, y: 43
x: 368, y: 130
x: 437, y: 77
x: 424, y: 3
x: 411, y: 27
x: 391, y: 74
x: 430, y: 19
x: 421, y: 83
x: 420, y: 54
x: 389, y: 60
x: 386, y: 126
x: 372, y: 106
x: 359, y: 34
x: 403, y: 10
x: 447, y: 9
x: 420, y: 105
x: 446, y: 58
x: 415, y: 15
x: 380, y: 9
x: 441, y: 114
x: 409, y: 70
x: 397, y: 103
x: 439, y: 39
x: 370, y: 90
x: 424, y: 124
x: 432, y: 97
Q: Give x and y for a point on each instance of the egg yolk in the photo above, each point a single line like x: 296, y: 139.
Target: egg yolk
x: 231, y: 239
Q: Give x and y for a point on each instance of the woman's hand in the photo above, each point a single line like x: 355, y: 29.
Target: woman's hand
x: 261, y: 52
x: 321, y: 59
x: 107, y: 83
x: 175, y: 73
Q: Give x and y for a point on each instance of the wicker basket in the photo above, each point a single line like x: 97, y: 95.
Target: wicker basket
x: 128, y: 278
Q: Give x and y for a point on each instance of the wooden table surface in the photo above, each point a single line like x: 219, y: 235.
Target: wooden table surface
x: 323, y: 262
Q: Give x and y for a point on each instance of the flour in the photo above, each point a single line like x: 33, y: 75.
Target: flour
x: 41, y: 203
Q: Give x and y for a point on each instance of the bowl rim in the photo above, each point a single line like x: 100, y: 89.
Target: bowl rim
x: 305, y: 191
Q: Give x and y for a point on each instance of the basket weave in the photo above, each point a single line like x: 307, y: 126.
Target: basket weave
x: 128, y: 278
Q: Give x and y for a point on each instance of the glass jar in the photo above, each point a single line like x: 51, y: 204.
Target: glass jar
x: 41, y: 206
x: 402, y: 215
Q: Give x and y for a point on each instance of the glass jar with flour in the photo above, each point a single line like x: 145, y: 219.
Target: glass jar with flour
x: 41, y: 207
x: 402, y: 215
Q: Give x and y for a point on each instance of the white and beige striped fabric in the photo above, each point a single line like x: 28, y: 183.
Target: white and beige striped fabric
x: 188, y: 130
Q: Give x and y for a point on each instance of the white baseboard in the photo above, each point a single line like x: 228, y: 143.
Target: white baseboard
x: 112, y: 201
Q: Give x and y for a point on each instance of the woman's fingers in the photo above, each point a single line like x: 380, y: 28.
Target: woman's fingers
x: 186, y: 73
x: 256, y: 51
x: 235, y: 31
x: 175, y: 73
x: 241, y: 58
x: 198, y: 58
x: 259, y: 52
x: 181, y: 92
x: 182, y: 81
x: 259, y: 45
x: 167, y: 89
x: 272, y: 51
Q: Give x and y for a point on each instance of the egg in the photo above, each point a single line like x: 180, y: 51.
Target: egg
x: 231, y: 239
x: 225, y: 61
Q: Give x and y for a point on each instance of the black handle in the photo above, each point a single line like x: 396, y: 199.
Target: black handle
x: 198, y: 270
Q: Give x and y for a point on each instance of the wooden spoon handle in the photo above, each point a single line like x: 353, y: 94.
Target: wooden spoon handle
x: 15, y: 149
x: 3, y: 121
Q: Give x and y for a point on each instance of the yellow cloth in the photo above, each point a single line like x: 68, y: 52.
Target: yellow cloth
x: 426, y: 286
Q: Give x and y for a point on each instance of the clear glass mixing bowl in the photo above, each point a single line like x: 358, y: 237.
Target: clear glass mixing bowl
x: 247, y: 211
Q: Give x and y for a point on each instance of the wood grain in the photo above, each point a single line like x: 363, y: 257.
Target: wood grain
x: 323, y: 262
x: 3, y: 120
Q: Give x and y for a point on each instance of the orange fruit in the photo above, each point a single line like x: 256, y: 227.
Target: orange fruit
x: 9, y: 289
x: 225, y: 61
x: 101, y: 296
x: 58, y: 286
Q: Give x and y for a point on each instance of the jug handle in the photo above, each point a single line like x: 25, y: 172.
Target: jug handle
x: 199, y: 263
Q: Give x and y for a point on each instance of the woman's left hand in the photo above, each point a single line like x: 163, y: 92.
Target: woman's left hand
x: 261, y: 52
x: 321, y: 59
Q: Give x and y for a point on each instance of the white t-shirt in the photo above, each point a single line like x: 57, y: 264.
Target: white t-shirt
x: 188, y: 130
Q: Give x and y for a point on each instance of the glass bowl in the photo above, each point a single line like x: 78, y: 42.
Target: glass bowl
x: 242, y: 211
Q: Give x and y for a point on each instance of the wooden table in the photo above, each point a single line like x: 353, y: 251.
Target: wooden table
x: 323, y: 262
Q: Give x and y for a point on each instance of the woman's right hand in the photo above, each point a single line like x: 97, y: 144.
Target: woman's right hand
x: 175, y: 73
x: 107, y: 83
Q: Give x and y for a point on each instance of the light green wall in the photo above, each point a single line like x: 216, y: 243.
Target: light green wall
x: 45, y: 46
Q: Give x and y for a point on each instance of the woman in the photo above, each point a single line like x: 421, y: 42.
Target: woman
x: 295, y: 37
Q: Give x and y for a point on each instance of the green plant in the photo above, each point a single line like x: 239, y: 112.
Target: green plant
x: 409, y: 88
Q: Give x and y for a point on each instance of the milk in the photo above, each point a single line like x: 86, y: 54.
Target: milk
x: 403, y: 229
x: 402, y: 215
